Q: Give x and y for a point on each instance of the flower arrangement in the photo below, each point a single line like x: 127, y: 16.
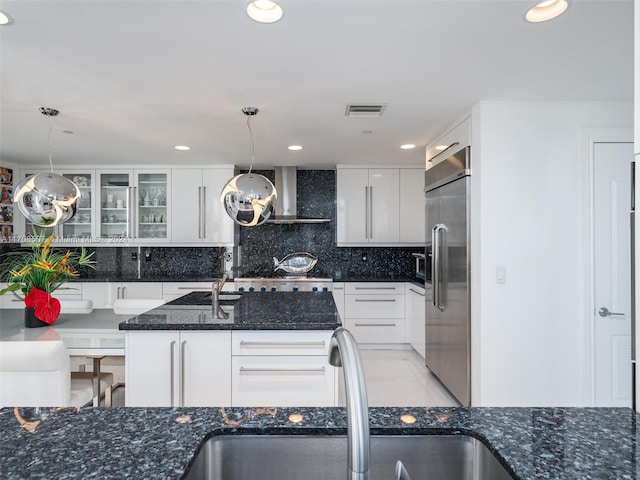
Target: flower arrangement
x: 39, y: 272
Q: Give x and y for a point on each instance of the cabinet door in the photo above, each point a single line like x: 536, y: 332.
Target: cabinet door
x: 186, y: 207
x: 412, y: 202
x: 218, y: 227
x: 415, y: 318
x: 115, y: 197
x: 151, y: 219
x: 384, y: 205
x: 82, y: 224
x: 338, y: 297
x: 152, y: 369
x: 352, y: 201
x: 454, y: 140
x: 205, y: 369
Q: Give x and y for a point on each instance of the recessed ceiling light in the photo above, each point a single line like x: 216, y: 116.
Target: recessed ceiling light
x: 264, y: 11
x: 295, y: 147
x: 5, y: 19
x: 441, y: 147
x: 546, y: 10
x: 182, y: 147
x: 407, y: 146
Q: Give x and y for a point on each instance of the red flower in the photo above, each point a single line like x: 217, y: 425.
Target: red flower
x: 46, y: 307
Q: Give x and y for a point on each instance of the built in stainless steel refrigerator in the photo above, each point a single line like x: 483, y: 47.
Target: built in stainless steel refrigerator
x: 448, y: 326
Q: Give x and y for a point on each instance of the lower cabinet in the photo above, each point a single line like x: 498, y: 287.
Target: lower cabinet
x: 282, y: 368
x: 178, y: 368
x: 415, y: 318
x: 375, y: 312
x: 222, y: 368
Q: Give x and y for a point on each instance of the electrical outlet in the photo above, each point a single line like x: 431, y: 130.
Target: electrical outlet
x: 134, y: 256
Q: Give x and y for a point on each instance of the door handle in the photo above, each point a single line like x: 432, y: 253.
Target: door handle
x: 199, y: 212
x: 436, y: 267
x: 604, y: 312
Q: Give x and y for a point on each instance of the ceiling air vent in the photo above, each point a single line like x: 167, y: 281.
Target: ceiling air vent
x: 365, y: 109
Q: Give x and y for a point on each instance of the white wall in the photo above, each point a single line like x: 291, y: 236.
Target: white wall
x: 529, y: 335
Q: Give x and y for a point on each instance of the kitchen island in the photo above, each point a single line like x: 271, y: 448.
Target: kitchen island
x: 123, y: 443
x: 253, y: 349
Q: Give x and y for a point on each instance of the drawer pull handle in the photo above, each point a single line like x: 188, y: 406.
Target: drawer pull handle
x: 375, y: 288
x: 375, y: 324
x: 416, y: 291
x: 281, y: 370
x: 375, y: 299
x: 244, y: 343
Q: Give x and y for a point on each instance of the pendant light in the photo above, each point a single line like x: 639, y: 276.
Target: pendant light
x: 47, y: 199
x: 248, y: 198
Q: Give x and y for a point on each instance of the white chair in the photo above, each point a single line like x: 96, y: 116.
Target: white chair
x: 37, y: 374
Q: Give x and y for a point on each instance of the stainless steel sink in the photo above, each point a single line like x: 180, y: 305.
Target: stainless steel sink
x: 283, y: 457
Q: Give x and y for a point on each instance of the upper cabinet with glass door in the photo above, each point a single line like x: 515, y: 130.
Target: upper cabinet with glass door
x: 134, y: 205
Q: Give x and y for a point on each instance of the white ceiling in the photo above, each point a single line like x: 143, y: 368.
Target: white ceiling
x: 134, y: 78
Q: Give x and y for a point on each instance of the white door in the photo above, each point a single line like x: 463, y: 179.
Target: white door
x: 612, y: 273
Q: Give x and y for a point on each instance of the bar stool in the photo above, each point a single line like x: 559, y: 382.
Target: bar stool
x: 37, y: 374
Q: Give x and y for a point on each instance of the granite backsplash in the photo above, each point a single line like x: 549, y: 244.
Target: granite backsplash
x: 258, y: 245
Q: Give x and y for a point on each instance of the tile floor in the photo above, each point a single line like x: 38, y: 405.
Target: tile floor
x: 399, y: 378
x: 395, y: 378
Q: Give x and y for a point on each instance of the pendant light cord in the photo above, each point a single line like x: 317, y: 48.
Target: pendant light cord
x: 49, y: 145
x: 253, y: 150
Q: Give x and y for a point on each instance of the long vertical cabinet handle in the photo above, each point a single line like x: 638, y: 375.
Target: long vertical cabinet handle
x: 366, y: 212
x: 183, y: 347
x: 371, y: 213
x: 436, y: 266
x: 199, y: 212
x: 129, y: 213
x: 172, y: 363
x: 134, y: 211
x: 204, y: 212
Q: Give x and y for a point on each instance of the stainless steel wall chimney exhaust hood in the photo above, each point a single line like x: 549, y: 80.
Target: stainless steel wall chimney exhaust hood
x: 286, y: 202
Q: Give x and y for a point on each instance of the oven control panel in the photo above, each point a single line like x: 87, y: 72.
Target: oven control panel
x: 282, y: 285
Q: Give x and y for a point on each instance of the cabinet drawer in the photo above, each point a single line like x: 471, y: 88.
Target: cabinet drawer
x: 374, y: 306
x: 380, y: 330
x: 273, y: 381
x: 377, y: 288
x: 281, y: 343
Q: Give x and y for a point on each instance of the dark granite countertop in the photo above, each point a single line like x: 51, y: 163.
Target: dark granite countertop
x: 252, y: 311
x: 123, y: 443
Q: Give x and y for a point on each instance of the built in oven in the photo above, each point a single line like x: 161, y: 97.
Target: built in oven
x: 422, y: 268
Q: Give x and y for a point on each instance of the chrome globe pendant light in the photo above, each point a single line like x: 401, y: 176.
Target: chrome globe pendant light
x: 47, y: 199
x: 248, y: 198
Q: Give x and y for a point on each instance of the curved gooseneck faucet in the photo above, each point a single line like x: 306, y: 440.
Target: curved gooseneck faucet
x: 343, y: 352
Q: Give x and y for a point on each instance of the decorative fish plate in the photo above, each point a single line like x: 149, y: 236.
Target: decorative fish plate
x: 299, y: 262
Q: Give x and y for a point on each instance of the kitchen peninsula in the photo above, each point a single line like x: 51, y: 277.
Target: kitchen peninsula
x: 253, y: 349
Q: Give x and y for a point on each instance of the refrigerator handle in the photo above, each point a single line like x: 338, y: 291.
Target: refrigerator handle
x: 436, y: 268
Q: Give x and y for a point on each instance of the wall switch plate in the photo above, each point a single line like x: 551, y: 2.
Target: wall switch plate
x: 501, y: 275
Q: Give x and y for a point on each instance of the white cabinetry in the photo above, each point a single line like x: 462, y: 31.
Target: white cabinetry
x: 415, y: 318
x: 134, y: 205
x: 375, y: 312
x: 379, y: 206
x: 69, y: 291
x: 103, y: 294
x: 338, y: 297
x: 282, y: 368
x: 178, y: 368
x: 173, y: 290
x: 457, y: 138
x: 412, y: 206
x: 198, y: 215
x: 367, y: 206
